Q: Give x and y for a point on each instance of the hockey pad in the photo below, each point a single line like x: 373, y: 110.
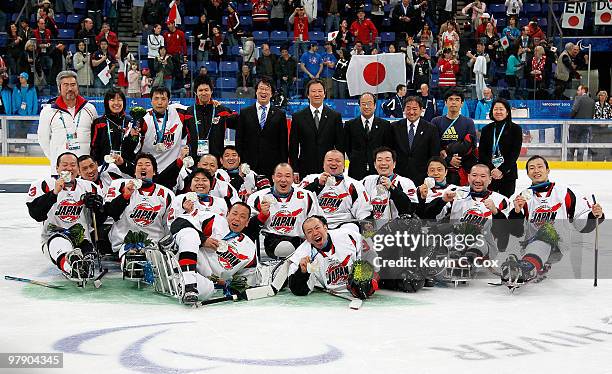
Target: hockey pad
x: 280, y: 276
x: 167, y: 276
x: 284, y: 249
x: 82, y: 266
x: 259, y: 292
x: 167, y: 243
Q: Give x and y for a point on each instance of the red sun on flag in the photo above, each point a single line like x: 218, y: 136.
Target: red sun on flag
x: 606, y: 17
x: 374, y: 73
x: 573, y: 21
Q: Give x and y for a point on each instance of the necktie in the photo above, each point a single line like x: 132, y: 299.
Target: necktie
x: 411, y: 135
x: 316, y: 118
x: 262, y: 118
x: 367, y: 126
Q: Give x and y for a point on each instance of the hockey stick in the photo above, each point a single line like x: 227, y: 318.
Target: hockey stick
x: 355, y: 303
x: 216, y: 300
x: 98, y: 280
x: 32, y: 281
x: 596, y: 246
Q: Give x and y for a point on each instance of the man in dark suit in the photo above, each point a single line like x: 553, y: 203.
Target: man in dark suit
x: 261, y: 136
x: 415, y: 141
x: 314, y: 131
x: 362, y: 136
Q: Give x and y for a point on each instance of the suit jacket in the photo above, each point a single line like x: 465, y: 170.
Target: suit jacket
x: 360, y: 145
x: 265, y: 148
x: 412, y: 161
x: 583, y: 107
x: 307, y: 145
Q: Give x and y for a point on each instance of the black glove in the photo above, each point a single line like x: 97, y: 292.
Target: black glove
x: 93, y: 201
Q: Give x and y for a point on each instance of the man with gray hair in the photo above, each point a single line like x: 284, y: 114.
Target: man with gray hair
x: 65, y: 125
x: 566, y: 70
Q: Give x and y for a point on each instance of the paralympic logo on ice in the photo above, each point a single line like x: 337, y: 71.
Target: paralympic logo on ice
x: 133, y: 358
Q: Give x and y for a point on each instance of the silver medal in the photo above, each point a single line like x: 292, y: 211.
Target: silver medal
x: 192, y: 196
x: 66, y: 176
x: 160, y: 147
x: 430, y: 182
x: 109, y: 159
x: 527, y: 194
x: 188, y: 162
x: 331, y: 181
x: 222, y: 248
x: 380, y: 189
x: 137, y: 183
x: 245, y: 168
x: 268, y: 199
x: 312, y: 267
x: 461, y: 194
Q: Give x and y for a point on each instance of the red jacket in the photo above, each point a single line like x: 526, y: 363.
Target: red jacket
x: 42, y: 39
x: 113, y: 42
x: 300, y: 27
x: 176, y: 44
x: 447, y: 73
x: 362, y: 31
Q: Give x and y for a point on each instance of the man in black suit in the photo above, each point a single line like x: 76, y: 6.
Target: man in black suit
x: 415, y: 141
x: 362, y: 136
x: 261, y: 137
x: 314, y: 131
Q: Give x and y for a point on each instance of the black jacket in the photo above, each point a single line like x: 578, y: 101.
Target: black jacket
x: 509, y: 145
x: 206, y: 129
x: 307, y: 145
x: 101, y: 145
x: 359, y: 145
x: 265, y: 148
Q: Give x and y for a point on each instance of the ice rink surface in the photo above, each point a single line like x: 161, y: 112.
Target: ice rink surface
x: 557, y: 326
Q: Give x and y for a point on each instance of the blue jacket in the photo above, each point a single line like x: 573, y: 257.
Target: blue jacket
x: 483, y: 108
x: 7, y: 101
x: 394, y: 107
x: 27, y: 96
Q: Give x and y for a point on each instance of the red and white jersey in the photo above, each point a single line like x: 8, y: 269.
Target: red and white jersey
x: 146, y: 211
x: 69, y: 209
x: 240, y: 250
x: 557, y: 205
x: 472, y: 209
x: 247, y: 187
x: 173, y: 137
x: 382, y: 205
x: 331, y: 267
x: 224, y: 190
x: 286, y: 213
x: 202, y: 210
x: 344, y: 201
x: 107, y: 174
x: 435, y: 192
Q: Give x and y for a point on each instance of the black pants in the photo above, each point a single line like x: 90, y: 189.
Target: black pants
x: 272, y: 240
x: 504, y: 186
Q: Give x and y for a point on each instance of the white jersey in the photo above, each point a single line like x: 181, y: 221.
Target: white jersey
x: 202, y: 210
x: 62, y: 129
x: 240, y: 250
x: 147, y: 211
x: 68, y: 208
x: 332, y: 267
x: 286, y: 213
x: 173, y: 135
x: 435, y: 192
x: 345, y: 200
x: 557, y: 205
x: 383, y: 206
x: 472, y: 209
x: 219, y: 188
x: 107, y: 174
x: 248, y: 186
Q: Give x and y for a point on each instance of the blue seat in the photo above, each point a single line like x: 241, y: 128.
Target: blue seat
x: 387, y: 37
x: 144, y: 64
x: 224, y: 21
x: 226, y: 84
x: 59, y: 19
x: 275, y: 49
x: 497, y: 8
x: 65, y: 34
x: 234, y: 51
x: 144, y: 50
x: 72, y: 48
x: 543, y: 22
x: 81, y: 4
x: 316, y: 36
x: 278, y: 37
x: 386, y: 22
x: 532, y: 8
x: 188, y: 34
x: 190, y: 20
x: 211, y: 66
x: 501, y: 23
x: 245, y: 9
x: 73, y: 19
x: 246, y: 21
x: 523, y: 21
x: 260, y: 37
x: 228, y: 67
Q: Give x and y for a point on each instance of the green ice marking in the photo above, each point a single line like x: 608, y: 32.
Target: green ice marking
x: 320, y: 299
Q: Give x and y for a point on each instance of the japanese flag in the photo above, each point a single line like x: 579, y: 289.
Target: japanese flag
x: 331, y: 36
x: 603, y: 13
x: 505, y: 43
x: 173, y: 14
x: 376, y: 73
x: 573, y: 15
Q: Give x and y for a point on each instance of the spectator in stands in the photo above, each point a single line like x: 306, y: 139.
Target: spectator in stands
x: 60, y: 62
x: 311, y: 63
x: 245, y: 81
x: 601, y: 132
x: 277, y: 15
x: 513, y: 7
x: 137, y: 12
x: 514, y: 71
x: 31, y: 63
x: 404, y: 18
x: 480, y: 52
x: 344, y: 38
x: 181, y: 83
x: 566, y: 70
x: 176, y: 45
x: 394, y: 107
x: 134, y: 77
x: 46, y: 10
x: 500, y: 147
x: 511, y: 31
x: 446, y: 10
x: 339, y: 78
x: 234, y: 28
x: 536, y: 32
x: 164, y: 67
x: 110, y: 14
x: 266, y: 64
x: 299, y: 19
x: 217, y: 44
x: 101, y: 60
x: 214, y: 11
x: 475, y: 9
x: 124, y: 62
x: 154, y: 42
x: 249, y: 52
x: 603, y: 110
x: 14, y: 49
x: 146, y: 82
x: 64, y: 6
x: 538, y: 64
x: 332, y: 17
x: 110, y: 37
x: 203, y: 73
x: 425, y: 36
x: 43, y: 42
x: 350, y: 7
x: 364, y: 30
x: 25, y: 32
x: 449, y: 67
x: 24, y: 96
x: 421, y: 68
x: 357, y: 49
x: 153, y: 14
x: 583, y: 108
x: 429, y: 101
x: 87, y: 32
x: 483, y: 107
x: 261, y: 14
x: 6, y: 95
x: 82, y: 64
x: 202, y: 33
x: 329, y: 67
x: 286, y: 70
x: 491, y: 41
x: 485, y: 19
x: 450, y: 38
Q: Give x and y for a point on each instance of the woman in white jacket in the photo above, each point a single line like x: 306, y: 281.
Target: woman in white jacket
x: 82, y: 66
x: 65, y: 125
x: 154, y: 42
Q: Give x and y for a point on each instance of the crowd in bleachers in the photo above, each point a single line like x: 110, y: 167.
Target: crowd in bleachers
x: 502, y: 45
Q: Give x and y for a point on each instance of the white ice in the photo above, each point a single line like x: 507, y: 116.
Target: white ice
x: 557, y: 326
